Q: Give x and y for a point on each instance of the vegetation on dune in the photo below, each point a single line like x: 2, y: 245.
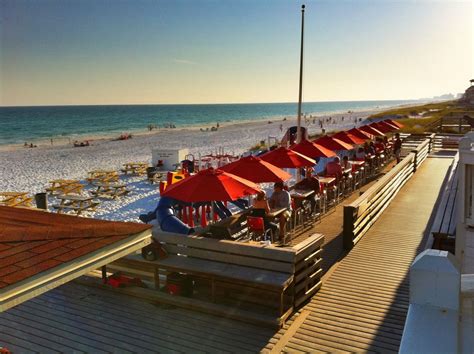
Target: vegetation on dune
x: 423, y: 118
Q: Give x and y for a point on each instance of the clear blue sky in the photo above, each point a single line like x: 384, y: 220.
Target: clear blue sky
x: 203, y: 51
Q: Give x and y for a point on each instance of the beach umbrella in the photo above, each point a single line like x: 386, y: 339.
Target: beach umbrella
x: 210, y: 185
x: 333, y: 144
x: 394, y: 122
x: 256, y: 170
x: 349, y: 138
x: 381, y: 127
x: 360, y: 134
x: 390, y: 125
x: 371, y: 130
x: 308, y: 148
x: 286, y: 158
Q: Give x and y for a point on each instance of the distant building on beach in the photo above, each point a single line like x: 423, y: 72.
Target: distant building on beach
x: 468, y: 97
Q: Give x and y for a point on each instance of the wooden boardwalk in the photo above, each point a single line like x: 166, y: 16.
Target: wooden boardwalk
x: 331, y: 227
x: 361, y: 306
x: 364, y: 299
x: 77, y: 318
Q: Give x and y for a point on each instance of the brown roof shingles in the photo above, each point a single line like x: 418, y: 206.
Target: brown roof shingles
x: 33, y: 241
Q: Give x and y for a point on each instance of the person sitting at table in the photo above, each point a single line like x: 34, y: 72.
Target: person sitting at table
x: 261, y: 208
x: 360, y: 154
x: 334, y: 168
x: 369, y: 149
x: 281, y: 199
x: 379, y: 145
x: 346, y: 163
x: 310, y: 183
x: 373, y: 148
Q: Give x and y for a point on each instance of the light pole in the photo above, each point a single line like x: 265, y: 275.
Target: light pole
x: 300, y: 95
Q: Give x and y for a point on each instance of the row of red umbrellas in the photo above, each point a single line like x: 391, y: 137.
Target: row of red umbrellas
x: 239, y: 178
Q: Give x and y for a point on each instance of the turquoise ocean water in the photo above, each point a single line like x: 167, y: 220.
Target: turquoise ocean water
x: 29, y: 124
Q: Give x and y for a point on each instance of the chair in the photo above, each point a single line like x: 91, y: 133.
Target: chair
x: 256, y: 226
x: 308, y: 212
x: 297, y: 217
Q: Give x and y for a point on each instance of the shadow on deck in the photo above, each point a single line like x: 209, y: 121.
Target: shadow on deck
x: 364, y: 299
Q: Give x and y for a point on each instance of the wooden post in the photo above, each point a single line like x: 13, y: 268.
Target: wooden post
x: 156, y: 278
x: 104, y: 274
x: 430, y: 145
x: 348, y: 227
x: 415, y: 160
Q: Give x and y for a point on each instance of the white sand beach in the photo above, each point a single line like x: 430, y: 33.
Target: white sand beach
x: 30, y: 169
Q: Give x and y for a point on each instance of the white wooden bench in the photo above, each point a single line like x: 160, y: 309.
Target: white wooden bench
x: 444, y: 224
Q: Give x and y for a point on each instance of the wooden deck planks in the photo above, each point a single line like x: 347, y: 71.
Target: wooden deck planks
x: 83, y: 319
x: 362, y: 305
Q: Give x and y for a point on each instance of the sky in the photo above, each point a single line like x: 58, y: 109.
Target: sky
x: 66, y: 52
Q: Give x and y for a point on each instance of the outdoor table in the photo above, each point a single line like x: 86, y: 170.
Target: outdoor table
x: 276, y: 212
x: 229, y: 226
x: 326, y: 180
x: 77, y: 203
x: 110, y: 189
x: 102, y: 175
x: 301, y: 193
x: 15, y: 199
x: 65, y: 186
x: 356, y: 165
x: 138, y: 168
x: 371, y: 161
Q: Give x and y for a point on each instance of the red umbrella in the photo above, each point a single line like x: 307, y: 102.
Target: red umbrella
x: 308, y: 148
x: 286, y: 158
x: 371, y: 130
x: 394, y: 122
x: 360, y: 134
x: 333, y: 143
x: 349, y: 138
x: 381, y: 127
x: 256, y: 170
x: 209, y: 185
x: 390, y: 125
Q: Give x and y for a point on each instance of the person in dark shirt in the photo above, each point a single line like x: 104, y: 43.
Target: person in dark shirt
x: 310, y: 183
x: 397, y: 147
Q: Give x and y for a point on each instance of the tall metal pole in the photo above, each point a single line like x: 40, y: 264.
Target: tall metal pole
x: 300, y: 96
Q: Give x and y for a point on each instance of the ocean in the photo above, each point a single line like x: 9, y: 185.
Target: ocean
x: 68, y: 123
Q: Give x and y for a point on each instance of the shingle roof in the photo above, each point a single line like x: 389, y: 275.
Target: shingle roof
x: 33, y: 241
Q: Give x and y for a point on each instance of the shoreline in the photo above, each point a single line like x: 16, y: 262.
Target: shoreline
x: 112, y: 136
x: 30, y: 170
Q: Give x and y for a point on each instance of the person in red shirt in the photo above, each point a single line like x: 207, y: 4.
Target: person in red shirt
x: 334, y: 168
x: 379, y: 146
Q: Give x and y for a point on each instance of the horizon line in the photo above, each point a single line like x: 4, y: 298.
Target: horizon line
x: 214, y: 104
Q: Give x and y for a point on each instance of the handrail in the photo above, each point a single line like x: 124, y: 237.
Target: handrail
x: 361, y: 214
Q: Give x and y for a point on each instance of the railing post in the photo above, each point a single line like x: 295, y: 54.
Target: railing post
x: 430, y: 144
x: 415, y: 160
x: 348, y: 227
x: 435, y: 287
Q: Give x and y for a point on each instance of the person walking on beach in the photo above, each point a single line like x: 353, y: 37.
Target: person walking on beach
x: 281, y: 127
x: 397, y: 147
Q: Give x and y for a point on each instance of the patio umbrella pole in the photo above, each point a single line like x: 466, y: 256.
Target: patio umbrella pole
x: 300, y: 95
